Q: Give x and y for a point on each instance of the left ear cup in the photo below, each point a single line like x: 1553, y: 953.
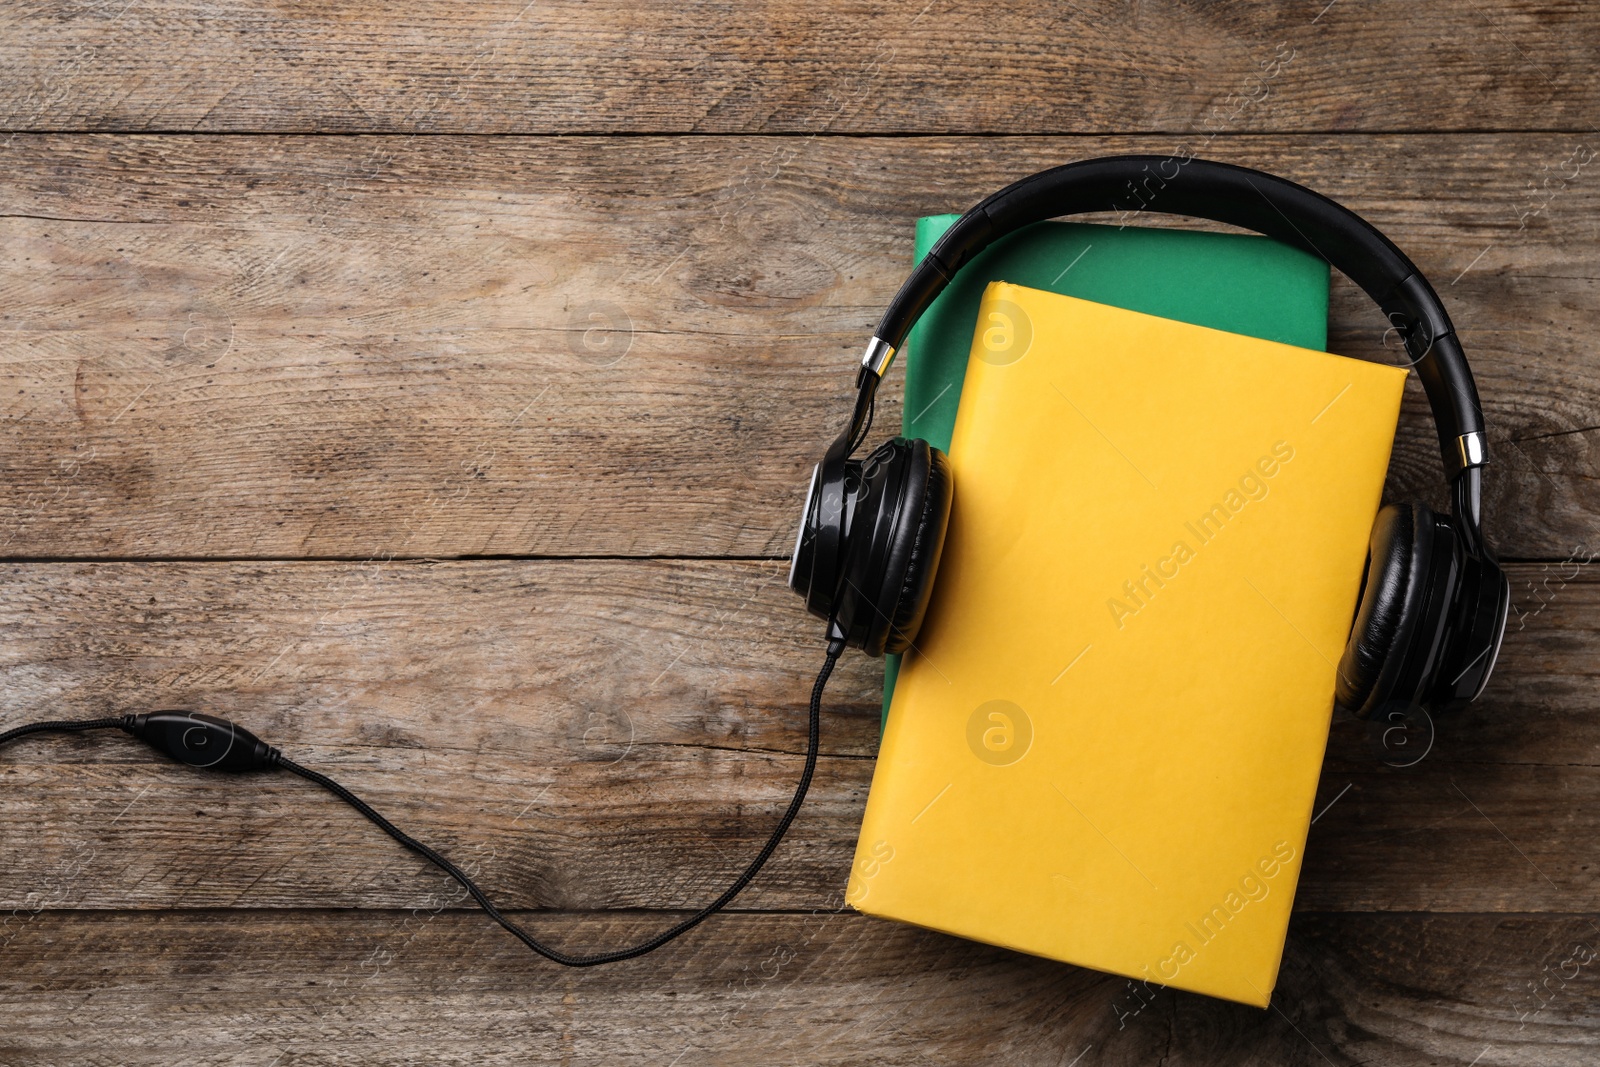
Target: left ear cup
x: 922, y: 550
x: 896, y: 536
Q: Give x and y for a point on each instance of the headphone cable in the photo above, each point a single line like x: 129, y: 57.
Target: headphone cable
x: 195, y: 739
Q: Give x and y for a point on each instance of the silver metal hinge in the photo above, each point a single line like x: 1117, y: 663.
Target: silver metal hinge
x: 1474, y: 450
x: 879, y: 353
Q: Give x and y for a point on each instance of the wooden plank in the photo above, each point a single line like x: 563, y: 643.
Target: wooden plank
x: 389, y: 988
x: 782, y: 66
x: 624, y: 734
x: 370, y: 347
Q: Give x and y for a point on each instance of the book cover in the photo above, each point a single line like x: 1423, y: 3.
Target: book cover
x: 1104, y: 747
x: 1242, y: 283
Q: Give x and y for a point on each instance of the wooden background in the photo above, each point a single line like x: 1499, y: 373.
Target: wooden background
x: 433, y: 390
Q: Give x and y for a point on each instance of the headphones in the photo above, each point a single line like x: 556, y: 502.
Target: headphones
x: 1433, y: 599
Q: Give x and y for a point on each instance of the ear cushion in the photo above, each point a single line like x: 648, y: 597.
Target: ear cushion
x: 896, y: 534
x: 923, y: 544
x: 1392, y: 598
x: 875, y: 550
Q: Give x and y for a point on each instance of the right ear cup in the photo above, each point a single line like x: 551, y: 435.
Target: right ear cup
x: 1394, y: 641
x: 895, y: 539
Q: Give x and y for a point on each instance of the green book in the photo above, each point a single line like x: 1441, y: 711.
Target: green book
x: 1241, y: 283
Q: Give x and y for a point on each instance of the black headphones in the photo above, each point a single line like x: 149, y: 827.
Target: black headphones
x: 1433, y: 600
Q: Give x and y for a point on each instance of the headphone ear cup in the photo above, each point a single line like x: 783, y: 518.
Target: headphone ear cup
x: 1393, y: 595
x: 895, y: 540
x: 923, y: 547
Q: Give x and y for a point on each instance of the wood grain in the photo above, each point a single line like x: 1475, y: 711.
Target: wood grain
x: 565, y: 66
x: 288, y: 347
x: 443, y: 987
x: 339, y: 290
x: 616, y: 734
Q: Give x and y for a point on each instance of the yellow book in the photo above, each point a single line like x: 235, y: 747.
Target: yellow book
x: 1104, y: 748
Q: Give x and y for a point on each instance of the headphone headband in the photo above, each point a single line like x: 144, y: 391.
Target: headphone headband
x: 1242, y: 197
